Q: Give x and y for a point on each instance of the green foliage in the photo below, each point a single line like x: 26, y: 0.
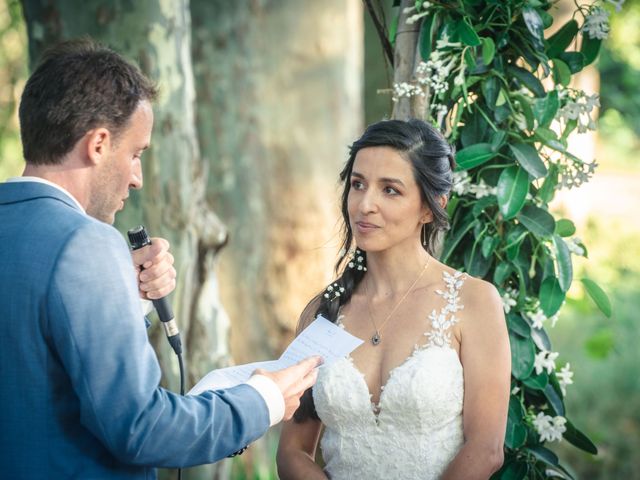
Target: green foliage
x: 500, y: 89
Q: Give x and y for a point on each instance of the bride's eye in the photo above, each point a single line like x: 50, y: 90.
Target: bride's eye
x: 357, y: 185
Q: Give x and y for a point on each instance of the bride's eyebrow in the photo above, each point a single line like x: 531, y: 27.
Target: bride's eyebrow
x: 397, y: 181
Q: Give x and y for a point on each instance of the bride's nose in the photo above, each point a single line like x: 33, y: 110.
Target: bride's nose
x: 368, y: 202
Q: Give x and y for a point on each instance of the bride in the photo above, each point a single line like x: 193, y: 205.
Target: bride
x: 426, y: 395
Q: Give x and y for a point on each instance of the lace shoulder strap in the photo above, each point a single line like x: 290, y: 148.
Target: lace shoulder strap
x: 442, y: 322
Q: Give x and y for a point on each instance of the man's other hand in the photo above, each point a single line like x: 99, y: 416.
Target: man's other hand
x: 294, y: 381
x: 156, y: 275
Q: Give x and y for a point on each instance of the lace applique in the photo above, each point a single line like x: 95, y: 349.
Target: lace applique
x: 440, y: 335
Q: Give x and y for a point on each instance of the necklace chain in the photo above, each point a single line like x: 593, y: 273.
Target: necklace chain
x: 376, y: 339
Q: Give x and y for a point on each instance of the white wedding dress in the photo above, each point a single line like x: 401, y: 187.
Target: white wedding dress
x: 416, y: 429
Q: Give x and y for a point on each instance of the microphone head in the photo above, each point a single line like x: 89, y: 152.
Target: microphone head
x: 138, y: 237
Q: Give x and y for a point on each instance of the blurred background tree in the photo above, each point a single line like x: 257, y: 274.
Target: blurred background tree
x: 270, y: 69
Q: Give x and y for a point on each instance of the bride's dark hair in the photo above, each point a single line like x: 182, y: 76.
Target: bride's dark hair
x: 432, y: 161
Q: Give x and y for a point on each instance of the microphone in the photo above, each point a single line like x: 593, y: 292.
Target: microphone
x: 139, y: 238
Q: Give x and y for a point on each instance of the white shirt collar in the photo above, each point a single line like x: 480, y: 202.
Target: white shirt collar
x: 46, y: 182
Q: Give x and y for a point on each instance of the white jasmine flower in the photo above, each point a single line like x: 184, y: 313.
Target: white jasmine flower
x: 509, y: 300
x: 414, y: 18
x: 596, y: 25
x: 549, y: 428
x: 565, y: 377
x: 545, y: 361
x: 481, y: 189
x: 537, y: 318
x: 461, y: 181
x: 573, y: 244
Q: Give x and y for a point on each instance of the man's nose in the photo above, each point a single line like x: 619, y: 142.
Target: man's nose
x: 136, y: 176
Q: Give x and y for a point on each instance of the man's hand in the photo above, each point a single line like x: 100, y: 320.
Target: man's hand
x: 294, y: 381
x: 157, y: 277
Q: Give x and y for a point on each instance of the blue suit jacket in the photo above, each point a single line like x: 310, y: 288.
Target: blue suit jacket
x: 79, y: 381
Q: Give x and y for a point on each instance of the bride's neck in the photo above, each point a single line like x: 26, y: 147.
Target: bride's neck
x: 390, y: 273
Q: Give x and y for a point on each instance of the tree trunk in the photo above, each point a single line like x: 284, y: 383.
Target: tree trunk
x: 156, y: 35
x: 404, y: 61
x: 278, y: 101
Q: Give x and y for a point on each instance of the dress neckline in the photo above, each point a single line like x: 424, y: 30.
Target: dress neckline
x: 438, y: 336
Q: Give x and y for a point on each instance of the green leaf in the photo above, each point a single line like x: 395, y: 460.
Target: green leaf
x: 528, y: 158
x: 551, y: 296
x: 554, y: 399
x: 482, y: 203
x: 470, y: 60
x: 544, y: 455
x: 502, y: 272
x: 490, y: 89
x: 537, y: 220
x: 426, y: 36
x: 488, y: 50
x: 600, y: 344
x: 516, y: 431
x: 550, y: 105
x: 514, y: 240
x: 534, y: 24
x: 474, y: 155
x: 489, y: 244
x: 547, y: 190
x: 549, y: 138
x: 540, y: 338
x: 598, y: 296
x: 565, y: 227
x: 537, y: 382
x: 559, y: 41
x: 574, y: 60
x: 468, y: 35
x: 563, y: 263
x: 518, y: 325
x: 590, y: 48
x: 475, y: 263
x: 525, y: 106
x: 528, y: 79
x: 561, y: 72
x: 523, y: 355
x: 456, y: 235
x: 513, y: 186
x: 579, y: 439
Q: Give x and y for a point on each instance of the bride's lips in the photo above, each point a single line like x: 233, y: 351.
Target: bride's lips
x: 365, y: 227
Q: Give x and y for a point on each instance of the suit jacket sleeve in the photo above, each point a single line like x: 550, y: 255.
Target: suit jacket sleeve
x: 95, y: 320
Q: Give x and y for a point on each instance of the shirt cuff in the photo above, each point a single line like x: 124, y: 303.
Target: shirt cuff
x: 272, y: 396
x: 147, y: 306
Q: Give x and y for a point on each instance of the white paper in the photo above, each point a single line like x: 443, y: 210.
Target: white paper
x: 321, y: 337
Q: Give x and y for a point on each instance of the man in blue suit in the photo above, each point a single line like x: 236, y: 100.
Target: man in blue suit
x: 79, y: 393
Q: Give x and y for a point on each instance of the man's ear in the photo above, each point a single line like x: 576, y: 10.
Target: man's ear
x: 99, y: 144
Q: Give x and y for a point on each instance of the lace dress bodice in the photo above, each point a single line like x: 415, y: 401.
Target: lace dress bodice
x: 416, y: 429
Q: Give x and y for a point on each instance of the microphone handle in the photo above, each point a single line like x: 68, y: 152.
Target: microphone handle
x: 139, y: 238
